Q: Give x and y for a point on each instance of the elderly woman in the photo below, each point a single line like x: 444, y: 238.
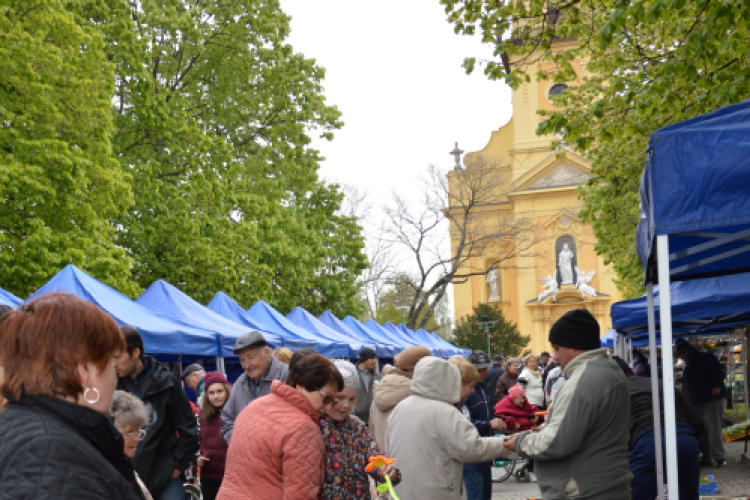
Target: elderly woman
x: 507, y: 379
x: 283, y: 354
x: 56, y: 437
x: 531, y: 380
x: 277, y: 451
x: 130, y: 416
x: 348, y: 445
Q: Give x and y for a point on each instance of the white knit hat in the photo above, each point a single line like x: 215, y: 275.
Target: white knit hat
x: 348, y: 372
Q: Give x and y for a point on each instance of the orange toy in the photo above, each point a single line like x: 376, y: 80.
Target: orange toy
x: 378, y: 461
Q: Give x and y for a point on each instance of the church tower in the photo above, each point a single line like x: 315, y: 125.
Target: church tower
x: 559, y: 270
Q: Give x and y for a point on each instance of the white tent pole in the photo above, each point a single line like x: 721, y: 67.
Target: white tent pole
x: 653, y: 363
x: 665, y: 314
x: 630, y: 349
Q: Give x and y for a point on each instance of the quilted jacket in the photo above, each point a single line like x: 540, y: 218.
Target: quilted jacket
x: 53, y: 449
x: 213, y: 447
x: 392, y: 389
x: 276, y: 451
x: 171, y: 440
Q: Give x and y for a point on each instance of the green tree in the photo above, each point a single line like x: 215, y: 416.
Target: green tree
x: 401, y: 293
x: 60, y: 182
x: 650, y: 63
x: 504, y: 334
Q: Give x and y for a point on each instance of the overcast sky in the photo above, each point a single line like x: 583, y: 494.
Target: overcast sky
x: 393, y: 68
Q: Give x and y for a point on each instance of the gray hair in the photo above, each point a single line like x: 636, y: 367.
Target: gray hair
x: 128, y: 410
x: 514, y: 360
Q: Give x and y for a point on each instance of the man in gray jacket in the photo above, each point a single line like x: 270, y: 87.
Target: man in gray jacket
x: 368, y: 378
x: 261, y: 369
x: 582, y: 451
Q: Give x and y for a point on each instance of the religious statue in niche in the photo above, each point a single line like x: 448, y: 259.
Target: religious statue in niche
x: 493, y: 280
x: 582, y: 283
x: 550, y: 283
x: 566, y: 261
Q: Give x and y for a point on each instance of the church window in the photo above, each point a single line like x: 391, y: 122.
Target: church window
x: 556, y: 90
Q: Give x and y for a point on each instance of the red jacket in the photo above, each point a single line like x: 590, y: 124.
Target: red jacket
x: 213, y: 447
x: 276, y: 451
x: 512, y: 414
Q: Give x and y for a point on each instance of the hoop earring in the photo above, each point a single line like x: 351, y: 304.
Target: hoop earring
x: 95, y: 399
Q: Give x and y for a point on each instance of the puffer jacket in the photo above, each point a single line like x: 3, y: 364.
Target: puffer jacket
x: 532, y: 386
x: 392, y: 389
x: 512, y: 414
x: 431, y: 440
x: 277, y: 450
x: 582, y: 452
x: 53, y: 449
x: 213, y: 447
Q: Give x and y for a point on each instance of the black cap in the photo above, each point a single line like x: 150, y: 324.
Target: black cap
x: 681, y: 345
x: 576, y: 329
x: 366, y: 353
x: 250, y: 340
x: 195, y: 367
x: 479, y: 359
x: 497, y: 357
x: 544, y: 353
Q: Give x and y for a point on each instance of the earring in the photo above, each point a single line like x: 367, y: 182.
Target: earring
x: 93, y: 400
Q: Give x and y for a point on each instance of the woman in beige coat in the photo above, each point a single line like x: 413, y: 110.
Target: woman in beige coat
x: 431, y: 440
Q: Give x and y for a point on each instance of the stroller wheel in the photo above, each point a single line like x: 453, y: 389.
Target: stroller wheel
x: 522, y: 476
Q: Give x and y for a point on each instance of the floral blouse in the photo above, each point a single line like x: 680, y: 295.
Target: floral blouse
x: 349, y: 445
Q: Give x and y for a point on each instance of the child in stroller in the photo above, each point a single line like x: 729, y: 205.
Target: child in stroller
x: 518, y: 416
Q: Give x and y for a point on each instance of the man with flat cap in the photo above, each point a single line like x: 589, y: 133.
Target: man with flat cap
x: 261, y: 369
x: 193, y: 376
x: 582, y: 452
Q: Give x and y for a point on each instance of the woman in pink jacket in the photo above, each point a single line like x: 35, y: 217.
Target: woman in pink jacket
x: 276, y: 451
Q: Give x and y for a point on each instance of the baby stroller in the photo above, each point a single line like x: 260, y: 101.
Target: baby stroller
x: 503, y: 468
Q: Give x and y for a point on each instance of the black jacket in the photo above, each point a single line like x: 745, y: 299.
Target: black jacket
x: 53, y: 449
x: 642, y: 409
x: 701, y: 375
x: 171, y: 440
x: 490, y: 382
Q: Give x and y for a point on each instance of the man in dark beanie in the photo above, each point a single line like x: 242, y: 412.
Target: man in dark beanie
x: 368, y: 377
x: 588, y: 422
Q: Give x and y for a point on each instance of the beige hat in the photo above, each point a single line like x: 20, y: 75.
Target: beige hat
x: 409, y: 357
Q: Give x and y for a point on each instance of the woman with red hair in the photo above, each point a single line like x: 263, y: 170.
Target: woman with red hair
x: 56, y: 436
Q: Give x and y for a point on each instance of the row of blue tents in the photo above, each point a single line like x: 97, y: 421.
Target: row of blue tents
x: 172, y: 323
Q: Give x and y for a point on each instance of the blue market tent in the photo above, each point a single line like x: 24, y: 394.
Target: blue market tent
x: 391, y: 336
x: 441, y: 341
x: 165, y: 299
x: 694, y: 191
x: 375, y: 335
x: 304, y: 319
x: 161, y: 335
x: 273, y: 319
x: 9, y: 299
x: 223, y: 305
x: 426, y: 340
x: 382, y: 349
x: 608, y: 340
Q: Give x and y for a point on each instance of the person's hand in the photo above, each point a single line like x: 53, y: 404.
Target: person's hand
x: 497, y: 424
x: 716, y: 391
x: 518, y: 426
x: 390, y: 471
x: 535, y: 420
x: 509, y: 444
x: 203, y: 461
x: 176, y: 473
x: 536, y: 429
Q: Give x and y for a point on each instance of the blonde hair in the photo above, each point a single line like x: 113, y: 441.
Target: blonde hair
x: 456, y: 358
x: 282, y: 354
x: 529, y: 356
x: 469, y: 374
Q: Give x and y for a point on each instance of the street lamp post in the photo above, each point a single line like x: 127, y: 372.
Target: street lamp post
x: 403, y: 310
x: 484, y: 322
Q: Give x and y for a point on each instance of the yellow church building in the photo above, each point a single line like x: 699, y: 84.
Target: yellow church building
x: 558, y: 270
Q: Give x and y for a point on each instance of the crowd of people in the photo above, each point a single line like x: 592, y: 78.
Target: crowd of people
x: 90, y: 415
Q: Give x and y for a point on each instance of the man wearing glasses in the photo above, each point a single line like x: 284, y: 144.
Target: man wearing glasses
x: 261, y: 369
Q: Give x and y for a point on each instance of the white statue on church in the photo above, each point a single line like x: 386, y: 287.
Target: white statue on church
x: 550, y: 283
x: 493, y: 279
x: 582, y: 283
x: 565, y: 263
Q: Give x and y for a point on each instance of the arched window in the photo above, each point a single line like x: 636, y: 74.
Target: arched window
x: 556, y: 90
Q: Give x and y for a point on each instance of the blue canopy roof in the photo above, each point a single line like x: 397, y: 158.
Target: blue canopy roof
x: 270, y: 317
x: 356, y: 326
x: 441, y: 341
x: 223, y: 305
x: 608, y: 340
x: 304, y: 319
x: 382, y: 349
x: 694, y: 189
x: 161, y: 335
x: 396, y: 338
x: 426, y: 340
x: 723, y: 300
x: 9, y: 299
x: 168, y: 300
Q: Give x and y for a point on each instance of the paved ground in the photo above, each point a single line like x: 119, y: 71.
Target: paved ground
x: 733, y: 480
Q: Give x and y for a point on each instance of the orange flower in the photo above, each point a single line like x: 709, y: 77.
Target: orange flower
x: 378, y: 461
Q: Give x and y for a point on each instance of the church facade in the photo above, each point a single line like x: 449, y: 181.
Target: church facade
x: 558, y: 270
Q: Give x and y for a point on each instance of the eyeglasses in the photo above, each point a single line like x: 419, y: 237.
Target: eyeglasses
x: 139, y: 434
x: 327, y: 398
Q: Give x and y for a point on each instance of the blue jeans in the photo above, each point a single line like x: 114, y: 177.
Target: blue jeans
x: 173, y: 490
x: 643, y: 464
x: 479, y: 484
